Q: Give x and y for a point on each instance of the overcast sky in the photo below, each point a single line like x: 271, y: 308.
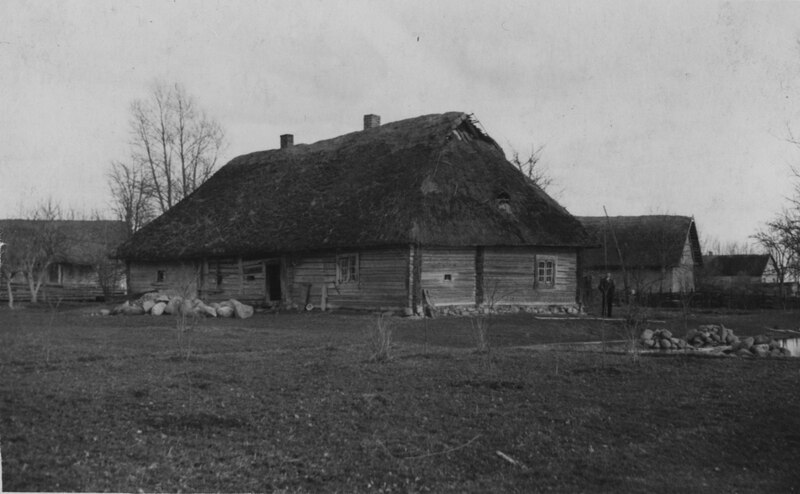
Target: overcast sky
x: 644, y: 107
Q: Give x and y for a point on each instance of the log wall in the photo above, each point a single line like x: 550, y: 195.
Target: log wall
x: 509, y: 276
x: 383, y: 277
x: 180, y: 276
x: 448, y: 275
x: 226, y: 278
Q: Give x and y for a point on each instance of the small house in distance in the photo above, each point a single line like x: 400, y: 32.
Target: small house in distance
x: 76, y: 254
x: 737, y: 271
x: 660, y: 252
x: 423, y: 210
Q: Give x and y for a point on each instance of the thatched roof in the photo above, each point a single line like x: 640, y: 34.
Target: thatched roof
x: 433, y: 180
x: 736, y: 265
x: 653, y: 241
x: 79, y: 241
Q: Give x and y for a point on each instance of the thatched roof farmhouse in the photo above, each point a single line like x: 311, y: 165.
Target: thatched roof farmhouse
x: 380, y: 218
x: 659, y: 252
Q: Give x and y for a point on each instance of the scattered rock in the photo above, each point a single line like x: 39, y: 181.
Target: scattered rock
x: 133, y: 310
x: 158, y: 309
x: 172, y: 305
x: 761, y: 340
x: 242, y: 311
x: 761, y: 350
x: 225, y: 311
x: 148, y: 305
x: 205, y: 310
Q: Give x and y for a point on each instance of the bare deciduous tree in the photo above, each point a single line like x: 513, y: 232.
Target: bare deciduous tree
x: 36, y: 245
x: 532, y: 168
x: 175, y: 147
x: 781, y: 240
x: 130, y: 192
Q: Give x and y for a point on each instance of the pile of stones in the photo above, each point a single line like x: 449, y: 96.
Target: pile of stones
x: 716, y: 338
x: 711, y: 335
x: 164, y: 303
x: 471, y: 310
x: 661, y: 339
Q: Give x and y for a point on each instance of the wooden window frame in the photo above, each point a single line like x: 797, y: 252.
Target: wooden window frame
x: 349, y: 273
x: 541, y: 272
x: 161, y: 276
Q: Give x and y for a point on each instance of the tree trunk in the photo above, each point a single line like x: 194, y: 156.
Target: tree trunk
x: 34, y: 292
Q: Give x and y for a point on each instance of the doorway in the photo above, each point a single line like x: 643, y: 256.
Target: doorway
x: 273, y: 272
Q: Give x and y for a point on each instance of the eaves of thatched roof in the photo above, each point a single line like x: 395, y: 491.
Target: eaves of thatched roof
x: 79, y: 241
x: 431, y: 180
x: 652, y: 241
x: 752, y: 265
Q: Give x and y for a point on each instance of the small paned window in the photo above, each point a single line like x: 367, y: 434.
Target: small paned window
x: 160, y: 276
x: 546, y: 272
x: 448, y: 277
x: 347, y: 268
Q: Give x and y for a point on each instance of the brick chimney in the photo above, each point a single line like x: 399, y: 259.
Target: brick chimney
x: 372, y: 121
x: 287, y: 141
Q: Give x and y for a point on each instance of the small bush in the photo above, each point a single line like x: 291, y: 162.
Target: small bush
x: 379, y: 339
x: 480, y: 332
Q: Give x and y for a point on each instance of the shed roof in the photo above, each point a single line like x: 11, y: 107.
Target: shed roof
x: 651, y: 241
x: 736, y: 265
x: 434, y: 180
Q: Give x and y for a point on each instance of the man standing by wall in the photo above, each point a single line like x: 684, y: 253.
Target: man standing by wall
x: 606, y: 288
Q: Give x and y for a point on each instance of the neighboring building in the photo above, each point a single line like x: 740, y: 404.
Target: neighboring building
x: 424, y: 209
x: 738, y: 271
x: 79, y: 251
x: 660, y: 252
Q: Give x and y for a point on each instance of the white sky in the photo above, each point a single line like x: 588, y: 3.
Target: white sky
x: 644, y: 107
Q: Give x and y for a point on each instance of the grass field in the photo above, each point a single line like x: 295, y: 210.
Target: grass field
x: 293, y: 403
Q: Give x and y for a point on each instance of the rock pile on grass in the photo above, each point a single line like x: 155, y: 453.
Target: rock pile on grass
x: 164, y: 303
x: 715, y: 338
x: 711, y: 335
x: 661, y: 339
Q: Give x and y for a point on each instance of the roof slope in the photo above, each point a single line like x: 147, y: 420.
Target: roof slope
x: 736, y: 265
x: 434, y: 180
x: 81, y: 241
x: 653, y: 241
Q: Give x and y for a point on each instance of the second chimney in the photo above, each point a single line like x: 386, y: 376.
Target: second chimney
x: 372, y: 121
x: 287, y: 141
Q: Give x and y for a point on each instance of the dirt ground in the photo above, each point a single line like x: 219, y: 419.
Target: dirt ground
x: 293, y: 403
